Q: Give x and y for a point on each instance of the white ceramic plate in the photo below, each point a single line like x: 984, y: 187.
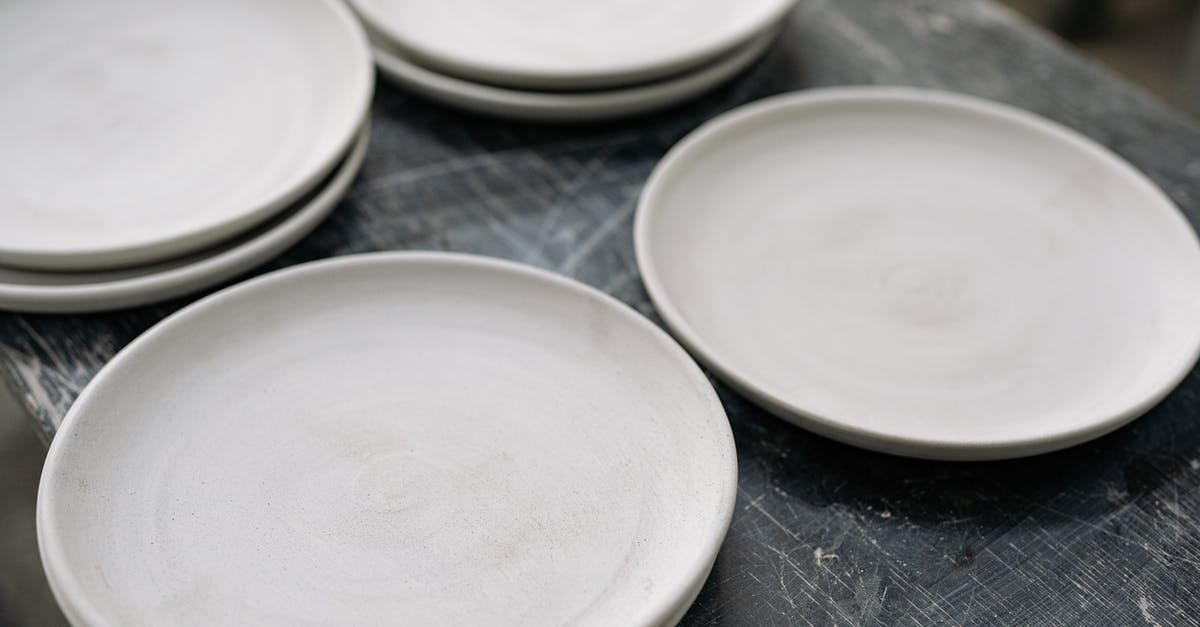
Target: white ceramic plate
x: 556, y: 44
x: 427, y: 438
x: 922, y: 273
x: 139, y: 130
x: 72, y: 292
x: 565, y: 106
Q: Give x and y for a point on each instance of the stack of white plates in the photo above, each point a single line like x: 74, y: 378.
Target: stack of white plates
x: 153, y: 148
x: 567, y: 61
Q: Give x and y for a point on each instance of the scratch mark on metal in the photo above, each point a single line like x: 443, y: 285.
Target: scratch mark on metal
x: 1144, y: 605
x: 756, y: 505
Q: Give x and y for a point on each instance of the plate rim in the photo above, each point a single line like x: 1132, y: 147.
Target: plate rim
x: 204, y: 270
x: 461, y: 67
x: 71, y: 595
x: 538, y: 106
x: 924, y: 448
x: 181, y: 242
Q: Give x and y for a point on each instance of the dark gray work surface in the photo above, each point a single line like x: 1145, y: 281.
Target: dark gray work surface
x: 1105, y: 533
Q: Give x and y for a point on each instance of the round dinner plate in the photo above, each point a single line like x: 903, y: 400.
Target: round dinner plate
x: 556, y: 44
x: 921, y: 273
x: 565, y: 106
x: 73, y: 292
x: 449, y: 439
x: 140, y: 130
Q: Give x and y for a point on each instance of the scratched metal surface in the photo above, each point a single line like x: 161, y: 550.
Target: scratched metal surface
x: 1106, y: 533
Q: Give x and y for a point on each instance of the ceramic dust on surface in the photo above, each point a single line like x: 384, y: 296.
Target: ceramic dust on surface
x: 550, y: 44
x: 444, y: 438
x: 566, y: 106
x: 177, y: 124
x: 73, y: 292
x: 922, y: 273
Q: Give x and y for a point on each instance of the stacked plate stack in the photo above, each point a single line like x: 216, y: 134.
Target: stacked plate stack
x: 567, y: 61
x: 155, y: 148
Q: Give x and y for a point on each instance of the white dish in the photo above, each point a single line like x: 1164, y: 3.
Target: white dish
x: 565, y: 106
x: 447, y: 439
x: 63, y: 292
x: 139, y: 130
x: 922, y: 273
x: 550, y: 44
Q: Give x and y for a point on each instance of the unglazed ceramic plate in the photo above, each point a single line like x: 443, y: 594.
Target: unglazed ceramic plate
x: 72, y: 292
x: 556, y: 44
x: 422, y: 438
x: 565, y: 106
x: 922, y: 273
x: 139, y: 130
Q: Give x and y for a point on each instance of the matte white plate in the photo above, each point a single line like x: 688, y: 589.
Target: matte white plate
x: 139, y: 130
x: 565, y: 106
x: 922, y: 273
x: 571, y: 44
x: 71, y: 292
x: 422, y: 438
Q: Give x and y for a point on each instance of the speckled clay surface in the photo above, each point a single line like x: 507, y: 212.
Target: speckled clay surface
x: 435, y: 439
x: 922, y: 273
x: 140, y: 130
